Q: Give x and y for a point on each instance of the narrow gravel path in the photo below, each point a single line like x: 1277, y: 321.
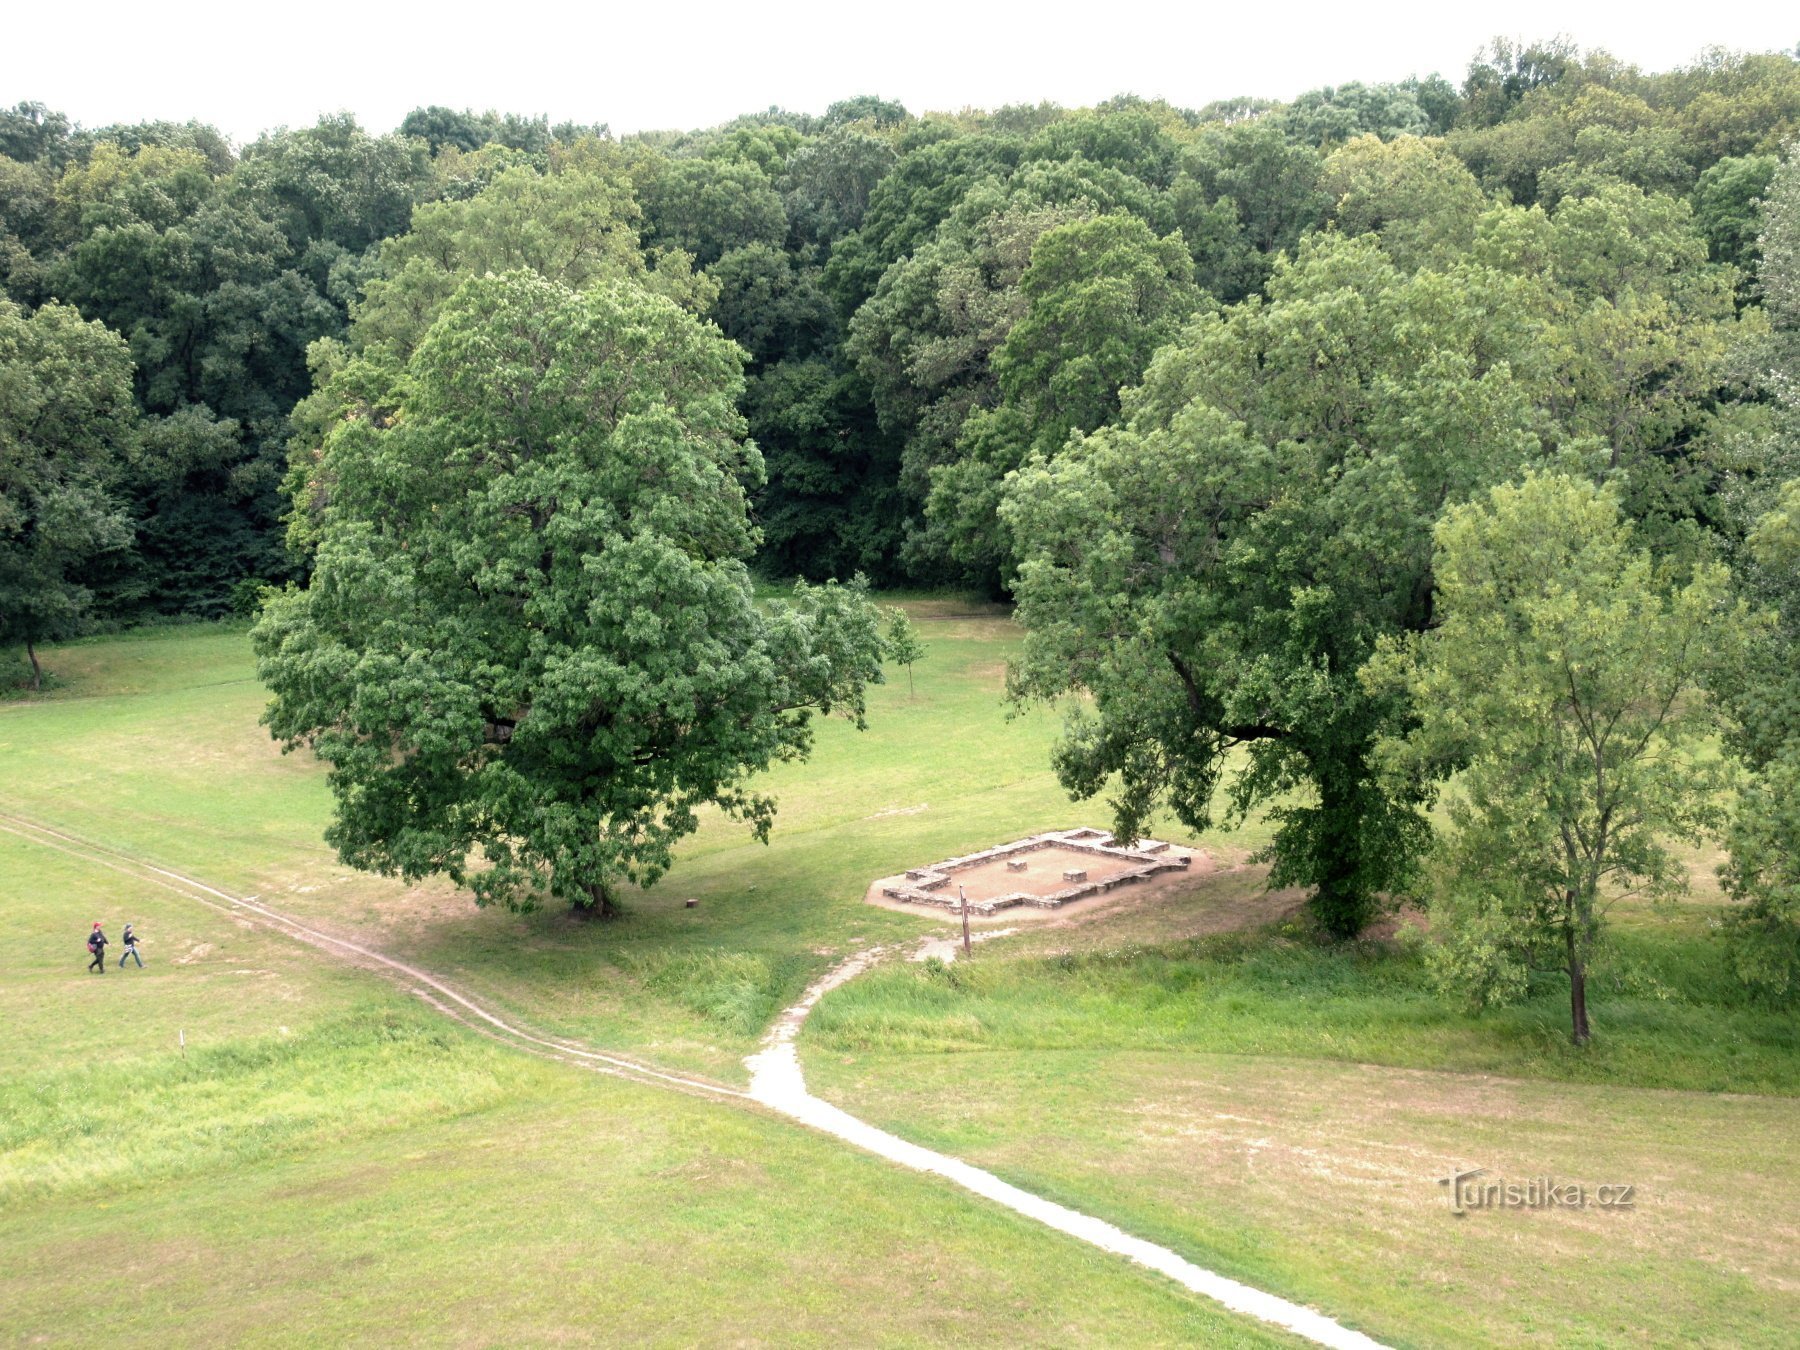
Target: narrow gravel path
x: 776, y: 1082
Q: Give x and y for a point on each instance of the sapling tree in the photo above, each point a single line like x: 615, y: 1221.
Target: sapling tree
x: 1562, y: 681
x: 530, y: 651
x: 901, y: 643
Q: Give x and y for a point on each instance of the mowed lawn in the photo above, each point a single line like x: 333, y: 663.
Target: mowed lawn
x: 330, y: 1161
x: 1286, y: 1113
x: 1268, y: 1107
x: 1321, y: 1181
x: 151, y: 744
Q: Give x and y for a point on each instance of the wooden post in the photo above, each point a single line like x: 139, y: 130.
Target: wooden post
x: 963, y: 895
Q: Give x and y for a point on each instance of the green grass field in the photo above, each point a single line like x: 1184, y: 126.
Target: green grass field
x: 333, y: 1160
x: 330, y: 1161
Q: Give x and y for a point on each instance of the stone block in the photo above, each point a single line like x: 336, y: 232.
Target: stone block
x: 1075, y: 874
x: 1015, y: 864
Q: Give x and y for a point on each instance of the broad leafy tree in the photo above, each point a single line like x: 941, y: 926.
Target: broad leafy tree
x: 1096, y: 300
x: 530, y: 650
x: 67, y: 427
x: 1215, y: 571
x: 1564, y: 680
x: 708, y: 207
x: 1244, y: 196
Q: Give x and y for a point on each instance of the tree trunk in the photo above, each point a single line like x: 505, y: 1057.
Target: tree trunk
x: 1341, y: 904
x: 600, y: 904
x: 1578, y: 1018
x: 37, y: 671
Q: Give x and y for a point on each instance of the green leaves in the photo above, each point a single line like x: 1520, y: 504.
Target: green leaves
x: 1217, y: 571
x: 67, y: 428
x: 1563, y: 683
x: 530, y: 649
x: 900, y: 642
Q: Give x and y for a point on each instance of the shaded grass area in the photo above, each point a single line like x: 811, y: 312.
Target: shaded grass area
x: 1321, y: 1181
x: 152, y: 745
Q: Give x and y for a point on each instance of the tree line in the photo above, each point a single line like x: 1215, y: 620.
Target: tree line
x: 1230, y: 400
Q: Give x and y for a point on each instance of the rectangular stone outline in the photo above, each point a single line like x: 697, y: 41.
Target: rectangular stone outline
x: 927, y: 881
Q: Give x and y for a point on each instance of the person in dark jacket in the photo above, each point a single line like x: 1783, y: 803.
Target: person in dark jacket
x: 97, y: 945
x: 128, y: 940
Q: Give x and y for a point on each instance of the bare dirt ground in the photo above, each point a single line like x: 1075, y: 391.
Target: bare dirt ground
x: 1042, y: 873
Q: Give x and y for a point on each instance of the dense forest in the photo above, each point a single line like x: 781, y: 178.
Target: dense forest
x: 925, y: 301
x: 1192, y: 386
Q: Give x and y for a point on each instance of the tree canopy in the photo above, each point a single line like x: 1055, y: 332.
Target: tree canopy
x: 1565, y: 680
x: 67, y: 429
x: 530, y: 650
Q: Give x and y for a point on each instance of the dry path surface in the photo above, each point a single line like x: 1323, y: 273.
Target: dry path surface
x: 776, y: 1082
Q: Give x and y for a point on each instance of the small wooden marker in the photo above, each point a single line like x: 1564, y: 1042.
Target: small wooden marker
x: 963, y: 895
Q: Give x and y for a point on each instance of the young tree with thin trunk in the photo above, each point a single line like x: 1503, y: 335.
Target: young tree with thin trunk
x: 901, y: 645
x: 1563, y: 680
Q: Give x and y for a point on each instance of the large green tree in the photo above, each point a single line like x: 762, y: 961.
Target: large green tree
x: 67, y: 426
x: 530, y: 650
x: 1216, y: 570
x: 1564, y: 680
x: 1763, y: 690
x: 1096, y: 300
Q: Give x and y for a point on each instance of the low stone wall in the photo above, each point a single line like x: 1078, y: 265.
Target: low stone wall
x: 928, y: 885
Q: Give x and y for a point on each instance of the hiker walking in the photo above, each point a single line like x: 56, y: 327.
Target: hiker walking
x: 97, y: 945
x: 128, y: 940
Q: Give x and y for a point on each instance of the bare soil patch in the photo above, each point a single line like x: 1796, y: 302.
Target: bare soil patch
x: 1040, y: 872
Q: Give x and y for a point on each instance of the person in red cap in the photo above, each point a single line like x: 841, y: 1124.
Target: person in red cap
x: 97, y: 945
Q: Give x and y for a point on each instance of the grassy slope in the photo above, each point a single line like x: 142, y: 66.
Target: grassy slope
x: 329, y: 1162
x: 152, y: 744
x: 1065, y: 1040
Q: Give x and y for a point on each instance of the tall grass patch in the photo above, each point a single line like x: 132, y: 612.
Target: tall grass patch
x: 1278, y: 992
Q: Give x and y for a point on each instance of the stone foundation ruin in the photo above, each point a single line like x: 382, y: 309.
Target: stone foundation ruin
x: 1044, y: 871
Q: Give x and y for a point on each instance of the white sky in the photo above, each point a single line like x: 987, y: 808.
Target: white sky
x: 246, y: 67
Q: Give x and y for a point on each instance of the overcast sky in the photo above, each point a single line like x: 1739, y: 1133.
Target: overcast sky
x: 248, y: 67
